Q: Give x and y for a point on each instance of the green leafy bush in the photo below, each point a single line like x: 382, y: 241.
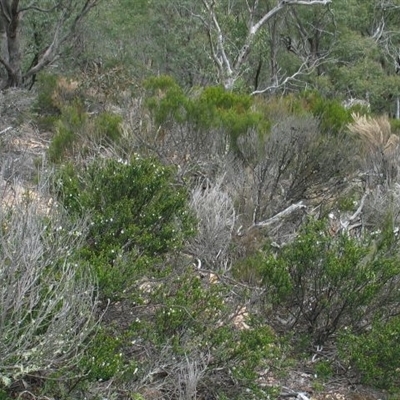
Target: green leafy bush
x: 233, y: 112
x: 68, y: 128
x: 323, y: 283
x: 166, y: 100
x: 107, y: 127
x: 189, y: 316
x: 54, y: 94
x: 212, y: 108
x: 332, y: 115
x: 136, y: 215
x: 375, y: 354
x: 45, y: 104
x: 103, y: 358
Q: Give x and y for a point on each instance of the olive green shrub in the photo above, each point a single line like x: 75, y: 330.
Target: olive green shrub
x: 191, y: 316
x: 320, y: 284
x: 137, y: 216
x: 375, y: 354
x: 333, y: 116
x: 206, y: 120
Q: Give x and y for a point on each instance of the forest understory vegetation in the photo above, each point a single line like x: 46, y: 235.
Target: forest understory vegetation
x: 199, y: 244
x: 200, y: 200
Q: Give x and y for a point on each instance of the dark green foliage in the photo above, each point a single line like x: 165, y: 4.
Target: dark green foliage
x: 45, y: 104
x: 326, y: 283
x: 137, y: 216
x: 4, y: 395
x: 332, y: 115
x: 375, y: 354
x: 103, y: 358
x: 323, y: 369
x: 68, y: 127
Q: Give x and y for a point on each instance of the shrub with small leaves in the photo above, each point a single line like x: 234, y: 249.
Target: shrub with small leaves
x: 107, y: 127
x: 190, y: 317
x: 333, y: 116
x: 324, y: 283
x: 103, y: 359
x: 212, y: 111
x: 137, y: 216
x: 68, y: 128
x: 375, y: 354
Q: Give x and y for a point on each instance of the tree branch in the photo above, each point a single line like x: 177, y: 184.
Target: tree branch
x: 232, y: 72
x: 279, y: 216
x: 50, y: 53
x: 302, y: 70
x: 36, y: 8
x: 6, y: 65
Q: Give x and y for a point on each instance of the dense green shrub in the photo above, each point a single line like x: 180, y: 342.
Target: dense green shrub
x: 166, y: 100
x: 107, y: 127
x: 332, y: 115
x: 103, y: 358
x: 211, y: 108
x: 323, y: 283
x: 45, y: 104
x: 68, y: 128
x: 216, y: 107
x: 375, y: 354
x: 137, y: 216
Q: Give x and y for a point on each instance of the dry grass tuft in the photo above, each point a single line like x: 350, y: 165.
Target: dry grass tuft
x: 375, y: 133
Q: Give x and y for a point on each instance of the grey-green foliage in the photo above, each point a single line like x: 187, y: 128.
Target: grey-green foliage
x: 47, y: 300
x: 148, y: 38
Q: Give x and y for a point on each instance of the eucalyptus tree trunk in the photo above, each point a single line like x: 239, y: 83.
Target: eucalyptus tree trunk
x: 11, y: 53
x: 60, y: 19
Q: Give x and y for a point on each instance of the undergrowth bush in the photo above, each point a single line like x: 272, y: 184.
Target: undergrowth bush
x: 375, y: 354
x: 203, y: 114
x: 47, y: 295
x: 320, y: 284
x: 137, y: 216
x: 333, y: 116
x: 68, y: 128
x: 61, y: 108
x: 54, y: 93
x: 103, y: 358
x: 107, y: 127
x: 194, y: 319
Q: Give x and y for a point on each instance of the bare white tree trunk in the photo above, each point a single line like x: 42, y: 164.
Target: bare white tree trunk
x: 230, y: 67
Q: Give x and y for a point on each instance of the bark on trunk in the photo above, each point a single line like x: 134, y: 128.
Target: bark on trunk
x: 14, y: 53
